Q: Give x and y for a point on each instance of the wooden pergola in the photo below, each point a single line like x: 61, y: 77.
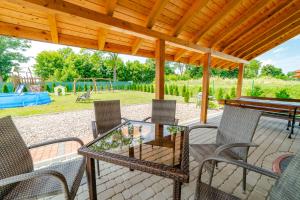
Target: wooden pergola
x: 214, y: 33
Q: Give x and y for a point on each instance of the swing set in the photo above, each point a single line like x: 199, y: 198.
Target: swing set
x: 94, y: 80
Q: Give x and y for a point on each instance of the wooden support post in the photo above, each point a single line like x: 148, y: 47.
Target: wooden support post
x: 240, y: 81
x: 159, y: 69
x: 205, y: 87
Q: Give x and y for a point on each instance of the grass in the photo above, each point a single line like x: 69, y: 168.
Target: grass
x: 269, y: 85
x: 67, y: 103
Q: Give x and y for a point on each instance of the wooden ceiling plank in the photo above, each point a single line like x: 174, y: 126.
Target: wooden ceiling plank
x: 53, y: 27
x: 273, y: 12
x: 287, y: 24
x: 179, y: 54
x: 236, y: 23
x: 194, y: 58
x: 101, y: 20
x: 136, y: 45
x: 271, y: 38
x: 110, y: 7
x: 189, y: 14
x: 102, y: 34
x: 274, y: 43
x: 227, y: 9
x: 155, y: 12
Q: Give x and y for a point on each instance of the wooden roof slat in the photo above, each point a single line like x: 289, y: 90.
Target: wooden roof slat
x: 235, y: 23
x: 227, y: 8
x: 197, y: 5
x: 179, y: 54
x: 102, y: 34
x: 260, y: 37
x: 136, y: 45
x: 264, y: 17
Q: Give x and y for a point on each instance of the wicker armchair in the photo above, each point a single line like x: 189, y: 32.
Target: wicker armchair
x: 287, y: 185
x: 234, y: 137
x: 108, y: 116
x: 19, y: 180
x: 163, y: 112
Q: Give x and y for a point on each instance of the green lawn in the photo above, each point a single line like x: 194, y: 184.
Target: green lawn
x: 67, y: 103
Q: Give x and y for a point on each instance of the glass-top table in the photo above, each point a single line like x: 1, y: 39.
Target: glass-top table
x: 158, y: 149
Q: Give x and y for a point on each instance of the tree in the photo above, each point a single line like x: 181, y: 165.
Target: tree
x: 252, y: 69
x: 272, y: 71
x: 113, y: 59
x: 11, y: 54
x: 180, y: 67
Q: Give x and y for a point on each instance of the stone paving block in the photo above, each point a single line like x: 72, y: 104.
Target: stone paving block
x: 148, y: 182
x: 147, y: 193
x: 107, y: 194
x: 137, y: 188
x: 168, y: 191
x: 118, y: 197
x: 127, y: 194
x: 119, y: 188
x: 157, y: 187
x: 101, y: 188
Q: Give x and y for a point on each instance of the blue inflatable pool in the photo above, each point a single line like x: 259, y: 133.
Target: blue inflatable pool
x: 12, y: 100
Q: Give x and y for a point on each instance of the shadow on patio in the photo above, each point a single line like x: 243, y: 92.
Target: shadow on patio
x: 117, y: 182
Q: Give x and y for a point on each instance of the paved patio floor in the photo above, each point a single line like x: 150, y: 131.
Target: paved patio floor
x: 117, y: 182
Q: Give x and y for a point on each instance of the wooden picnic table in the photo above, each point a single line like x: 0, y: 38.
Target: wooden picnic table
x: 273, y: 107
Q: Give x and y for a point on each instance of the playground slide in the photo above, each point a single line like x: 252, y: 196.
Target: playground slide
x: 20, y: 89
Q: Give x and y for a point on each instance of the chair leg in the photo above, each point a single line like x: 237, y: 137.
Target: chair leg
x: 288, y: 125
x: 98, y: 168
x: 244, y: 179
x: 211, y: 173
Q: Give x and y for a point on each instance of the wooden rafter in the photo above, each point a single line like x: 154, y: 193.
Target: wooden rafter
x: 227, y: 8
x: 271, y: 44
x: 253, y: 10
x: 136, y: 45
x: 267, y: 15
x: 179, y: 54
x: 110, y: 7
x: 196, y: 7
x: 102, y: 34
x: 194, y: 58
x: 269, y: 36
x: 155, y: 12
x: 53, y: 27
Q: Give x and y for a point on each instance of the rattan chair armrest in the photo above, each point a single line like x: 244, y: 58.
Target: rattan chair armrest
x: 57, y: 141
x: 232, y: 145
x: 146, y: 119
x: 239, y: 164
x: 36, y: 174
x: 94, y: 129
x: 201, y: 126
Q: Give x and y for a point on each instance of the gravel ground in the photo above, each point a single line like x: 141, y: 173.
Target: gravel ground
x: 40, y: 128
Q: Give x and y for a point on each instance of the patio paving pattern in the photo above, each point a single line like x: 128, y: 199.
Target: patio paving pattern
x: 118, y: 183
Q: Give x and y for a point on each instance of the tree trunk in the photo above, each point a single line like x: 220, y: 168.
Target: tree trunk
x: 115, y: 73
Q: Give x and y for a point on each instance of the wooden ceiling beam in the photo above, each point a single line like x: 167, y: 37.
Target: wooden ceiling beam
x: 189, y: 14
x: 110, y: 7
x: 102, y: 34
x: 269, y: 35
x: 271, y: 44
x: 155, y: 12
x: 53, y: 27
x: 237, y: 39
x: 179, y: 54
x: 194, y: 58
x: 227, y: 9
x: 253, y: 10
x: 136, y: 45
x: 118, y: 25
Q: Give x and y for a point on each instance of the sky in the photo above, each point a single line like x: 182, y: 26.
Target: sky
x: 285, y: 56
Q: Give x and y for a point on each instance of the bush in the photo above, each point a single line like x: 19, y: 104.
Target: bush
x: 171, y: 88
x: 200, y: 89
x: 183, y: 91
x: 220, y: 94
x: 176, y: 92
x: 213, y: 105
x: 152, y: 89
x: 25, y: 89
x: 166, y: 90
x: 186, y: 96
x: 53, y: 86
x: 48, y: 89
x: 283, y: 94
x: 85, y: 88
x: 232, y: 93
x: 211, y: 92
x: 91, y: 87
x: 257, y: 91
x: 79, y: 89
x: 227, y: 96
x: 5, y: 89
